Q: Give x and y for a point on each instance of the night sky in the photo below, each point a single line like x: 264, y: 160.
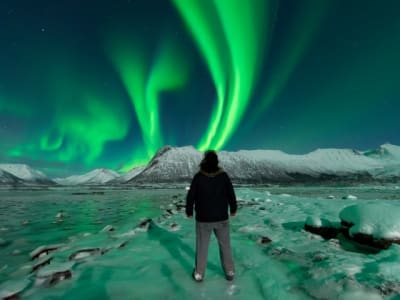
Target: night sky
x: 106, y: 83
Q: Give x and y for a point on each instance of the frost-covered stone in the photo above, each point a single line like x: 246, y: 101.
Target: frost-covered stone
x: 11, y: 289
x: 374, y: 224
x: 350, y: 197
x: 42, y: 262
x: 320, y: 226
x: 84, y: 253
x: 44, y: 250
x: 108, y: 228
x: 54, y: 273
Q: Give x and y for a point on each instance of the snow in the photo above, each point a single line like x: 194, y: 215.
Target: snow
x: 382, y: 221
x: 139, y: 255
x: 317, y: 222
x: 130, y: 175
x: 7, y: 178
x: 23, y: 171
x: 95, y: 177
x: 251, y: 166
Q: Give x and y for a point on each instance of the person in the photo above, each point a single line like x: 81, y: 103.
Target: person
x: 211, y: 193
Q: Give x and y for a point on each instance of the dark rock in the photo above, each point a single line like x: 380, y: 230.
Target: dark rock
x: 264, y: 240
x: 144, y: 224
x: 59, y: 276
x: 326, y: 232
x: 43, y: 250
x: 42, y: 263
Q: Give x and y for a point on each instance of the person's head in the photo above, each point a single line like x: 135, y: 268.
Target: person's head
x: 209, y: 163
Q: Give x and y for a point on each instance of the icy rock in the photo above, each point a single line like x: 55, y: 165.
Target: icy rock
x: 349, y: 197
x: 84, y: 253
x: 373, y: 224
x: 42, y: 262
x: 331, y: 197
x: 144, y: 224
x: 322, y: 227
x: 11, y: 289
x: 44, y: 250
x: 264, y: 240
x: 2, y: 242
x: 54, y: 273
x: 285, y: 195
x: 108, y: 228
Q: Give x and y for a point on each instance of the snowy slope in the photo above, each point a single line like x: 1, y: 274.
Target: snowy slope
x: 262, y: 166
x: 95, y: 177
x: 9, y: 179
x: 128, y: 176
x: 170, y: 165
x: 26, y: 173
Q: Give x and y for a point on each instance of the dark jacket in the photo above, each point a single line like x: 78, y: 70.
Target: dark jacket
x: 211, y: 194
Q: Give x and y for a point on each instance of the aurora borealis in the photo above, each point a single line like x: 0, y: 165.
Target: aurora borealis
x: 87, y: 84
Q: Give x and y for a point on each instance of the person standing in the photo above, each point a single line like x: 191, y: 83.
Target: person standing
x: 211, y: 194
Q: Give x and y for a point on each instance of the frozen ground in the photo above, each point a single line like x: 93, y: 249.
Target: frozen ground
x: 126, y: 260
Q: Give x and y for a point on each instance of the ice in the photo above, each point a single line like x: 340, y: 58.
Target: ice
x: 150, y: 252
x: 380, y: 220
x: 12, y: 288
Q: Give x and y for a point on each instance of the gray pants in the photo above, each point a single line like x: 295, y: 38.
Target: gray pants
x: 203, y: 234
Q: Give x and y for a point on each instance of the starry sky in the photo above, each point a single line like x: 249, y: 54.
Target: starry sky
x: 105, y: 83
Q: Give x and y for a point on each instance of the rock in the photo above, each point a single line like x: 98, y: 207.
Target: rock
x: 326, y: 232
x: 54, y: 273
x: 350, y: 197
x: 371, y: 224
x: 42, y: 262
x: 264, y: 240
x: 320, y: 226
x: 84, y: 253
x: 144, y: 225
x: 108, y: 228
x: 44, y: 250
x: 11, y: 289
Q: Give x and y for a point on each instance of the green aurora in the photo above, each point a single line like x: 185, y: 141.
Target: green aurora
x: 107, y: 84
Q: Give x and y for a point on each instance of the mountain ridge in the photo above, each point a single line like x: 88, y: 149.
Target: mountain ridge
x: 179, y: 164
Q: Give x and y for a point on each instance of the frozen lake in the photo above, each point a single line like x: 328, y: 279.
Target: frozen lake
x: 109, y: 255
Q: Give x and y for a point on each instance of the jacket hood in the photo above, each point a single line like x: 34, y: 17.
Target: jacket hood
x: 212, y: 174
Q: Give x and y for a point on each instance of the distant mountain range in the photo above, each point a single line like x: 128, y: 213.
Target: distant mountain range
x: 179, y: 164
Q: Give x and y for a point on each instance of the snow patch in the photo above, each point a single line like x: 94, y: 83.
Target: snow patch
x: 380, y: 220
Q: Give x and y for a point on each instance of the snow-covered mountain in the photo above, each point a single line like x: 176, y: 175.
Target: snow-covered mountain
x: 95, y: 177
x: 128, y: 176
x: 26, y: 174
x: 268, y: 166
x: 9, y: 179
x: 170, y: 164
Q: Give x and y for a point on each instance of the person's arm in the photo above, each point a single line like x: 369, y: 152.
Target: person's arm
x: 231, y: 197
x: 190, y: 198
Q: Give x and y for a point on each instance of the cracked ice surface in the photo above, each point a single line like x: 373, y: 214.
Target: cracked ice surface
x: 136, y: 258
